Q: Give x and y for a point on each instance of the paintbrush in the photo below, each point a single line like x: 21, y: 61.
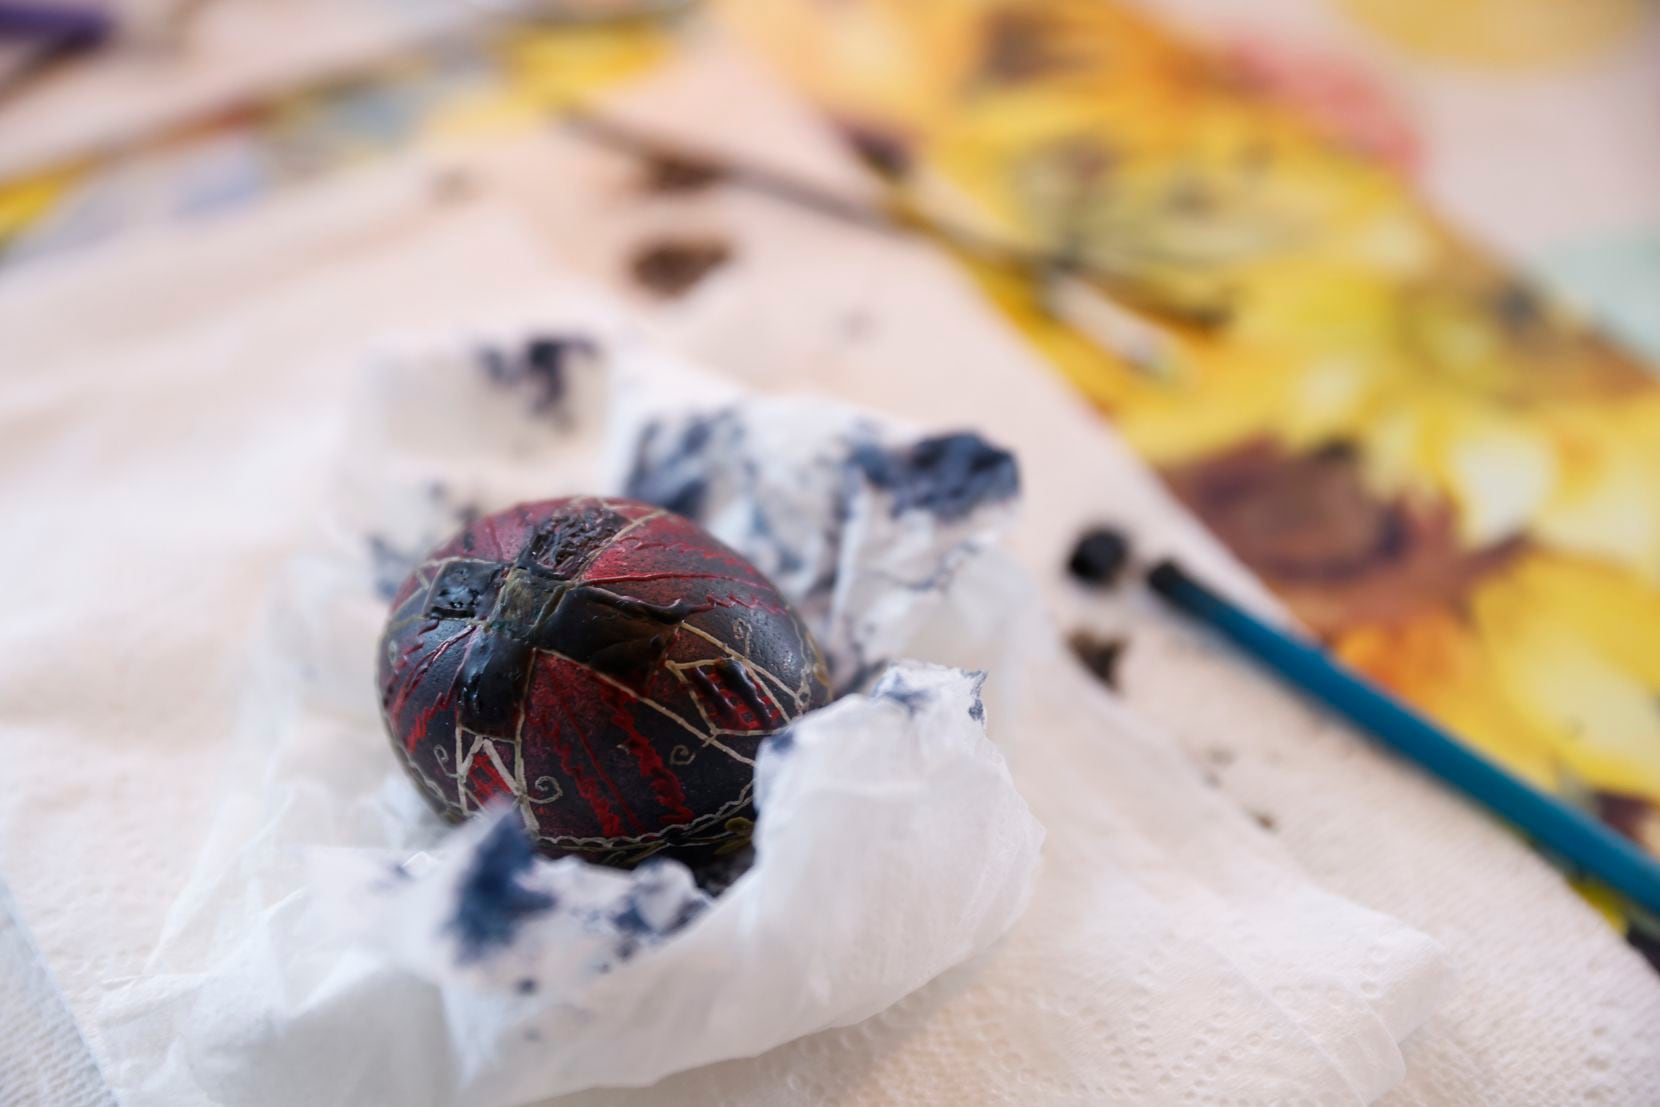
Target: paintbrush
x: 1574, y: 837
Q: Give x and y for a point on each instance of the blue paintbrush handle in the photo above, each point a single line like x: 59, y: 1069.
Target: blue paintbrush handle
x: 1572, y: 835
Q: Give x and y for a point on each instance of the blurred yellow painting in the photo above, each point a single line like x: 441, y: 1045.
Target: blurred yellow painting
x: 1446, y: 475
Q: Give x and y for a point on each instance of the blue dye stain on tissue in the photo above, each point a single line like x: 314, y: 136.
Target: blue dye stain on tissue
x: 673, y: 472
x: 540, y: 366
x: 490, y: 901
x: 892, y: 687
x: 651, y: 911
x: 977, y: 706
x: 949, y: 475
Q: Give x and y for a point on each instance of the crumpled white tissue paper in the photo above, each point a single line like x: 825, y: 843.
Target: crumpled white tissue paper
x: 338, y: 935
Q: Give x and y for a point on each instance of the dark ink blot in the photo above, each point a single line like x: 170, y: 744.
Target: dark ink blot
x: 670, y: 267
x: 1099, y: 655
x: 949, y: 475
x: 672, y: 173
x: 1099, y: 556
x: 977, y: 705
x: 1265, y: 820
x: 546, y: 364
x: 541, y: 366
x: 891, y: 688
x: 887, y: 152
x: 491, y: 903
x: 1518, y: 307
x: 526, y: 986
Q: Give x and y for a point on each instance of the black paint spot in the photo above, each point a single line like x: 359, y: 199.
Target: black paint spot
x: 885, y: 151
x: 977, y: 706
x: 949, y: 475
x: 490, y: 901
x: 671, y: 266
x: 526, y: 986
x: 1518, y: 308
x: 896, y: 691
x: 1099, y: 655
x: 672, y: 173
x: 1099, y: 556
x: 546, y: 362
x: 541, y: 366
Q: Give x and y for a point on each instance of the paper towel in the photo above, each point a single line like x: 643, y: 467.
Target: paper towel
x: 890, y: 845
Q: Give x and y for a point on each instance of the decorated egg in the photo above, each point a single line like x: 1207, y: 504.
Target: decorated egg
x: 607, y: 666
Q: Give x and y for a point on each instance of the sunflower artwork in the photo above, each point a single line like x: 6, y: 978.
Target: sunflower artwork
x: 1449, y: 478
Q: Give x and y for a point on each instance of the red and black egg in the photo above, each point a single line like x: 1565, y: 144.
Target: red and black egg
x: 607, y: 666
